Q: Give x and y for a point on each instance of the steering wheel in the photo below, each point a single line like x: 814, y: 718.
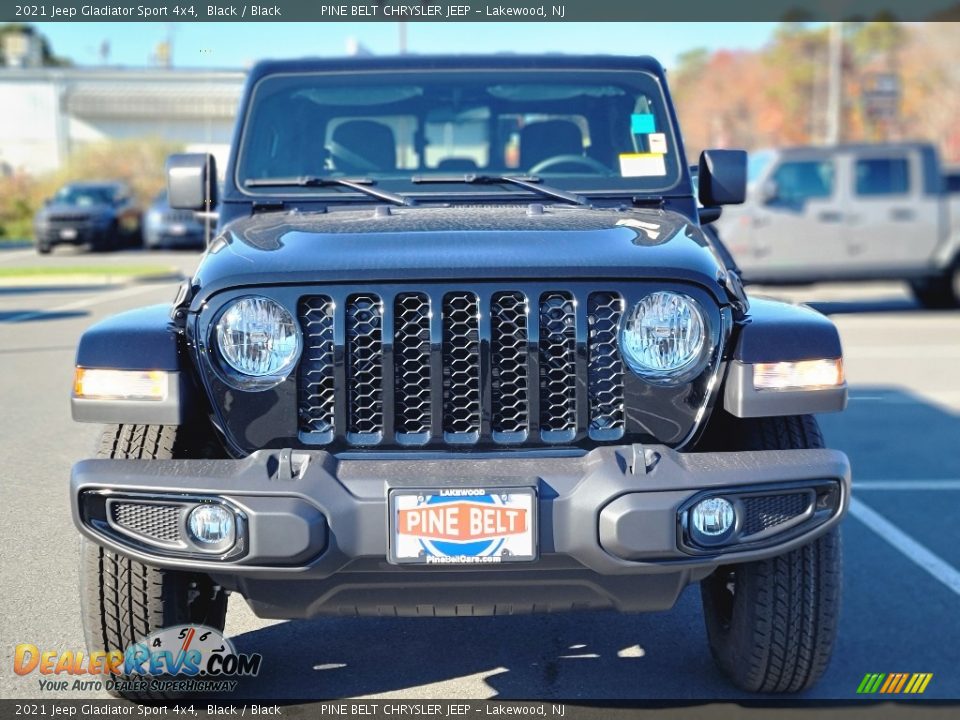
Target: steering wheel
x: 587, y: 162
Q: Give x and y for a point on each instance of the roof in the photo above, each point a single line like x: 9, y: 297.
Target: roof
x: 94, y: 184
x: 457, y: 62
x: 856, y: 147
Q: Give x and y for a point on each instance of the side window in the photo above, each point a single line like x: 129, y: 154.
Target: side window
x: 882, y: 176
x: 799, y: 181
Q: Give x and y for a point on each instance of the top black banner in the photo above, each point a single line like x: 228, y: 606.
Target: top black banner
x: 478, y: 11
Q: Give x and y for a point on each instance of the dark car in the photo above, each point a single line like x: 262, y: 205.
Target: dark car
x: 164, y: 227
x: 103, y: 215
x: 461, y: 347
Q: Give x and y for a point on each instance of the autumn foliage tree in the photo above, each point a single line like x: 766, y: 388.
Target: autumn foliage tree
x: 778, y: 95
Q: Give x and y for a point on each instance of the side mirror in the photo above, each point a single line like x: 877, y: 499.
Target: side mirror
x: 722, y: 177
x: 709, y: 214
x: 192, y: 182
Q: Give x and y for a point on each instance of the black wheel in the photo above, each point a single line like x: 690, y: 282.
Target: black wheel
x: 123, y: 601
x: 44, y: 248
x: 772, y: 624
x: 939, y: 293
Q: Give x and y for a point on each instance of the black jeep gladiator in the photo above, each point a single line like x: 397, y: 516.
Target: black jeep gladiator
x: 461, y: 347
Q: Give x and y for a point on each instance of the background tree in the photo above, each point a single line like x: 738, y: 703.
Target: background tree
x: 47, y: 56
x: 777, y: 95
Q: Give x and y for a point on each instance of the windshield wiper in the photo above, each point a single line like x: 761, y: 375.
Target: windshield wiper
x: 361, y: 185
x: 525, y: 181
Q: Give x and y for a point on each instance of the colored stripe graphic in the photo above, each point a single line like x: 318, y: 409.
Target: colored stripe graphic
x: 892, y: 680
x: 903, y: 680
x: 862, y: 688
x: 894, y: 683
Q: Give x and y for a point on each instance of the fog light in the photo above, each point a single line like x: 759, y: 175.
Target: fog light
x: 712, y: 519
x: 212, y: 526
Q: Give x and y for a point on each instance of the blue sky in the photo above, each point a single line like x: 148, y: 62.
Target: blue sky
x: 232, y: 45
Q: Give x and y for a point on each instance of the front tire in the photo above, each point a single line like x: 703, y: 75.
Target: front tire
x: 772, y: 624
x: 939, y: 293
x: 123, y: 601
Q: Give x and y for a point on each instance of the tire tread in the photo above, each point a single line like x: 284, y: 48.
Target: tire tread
x: 123, y: 600
x: 784, y: 622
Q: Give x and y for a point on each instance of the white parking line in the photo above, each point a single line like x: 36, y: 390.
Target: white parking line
x: 907, y: 485
x: 899, y: 351
x: 914, y: 551
x: 85, y: 302
x: 14, y: 254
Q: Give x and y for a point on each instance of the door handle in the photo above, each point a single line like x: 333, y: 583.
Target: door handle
x: 902, y: 214
x: 830, y: 216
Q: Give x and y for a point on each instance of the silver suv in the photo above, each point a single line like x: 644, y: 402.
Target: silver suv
x: 849, y: 213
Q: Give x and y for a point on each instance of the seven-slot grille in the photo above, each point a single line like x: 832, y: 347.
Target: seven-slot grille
x: 460, y: 368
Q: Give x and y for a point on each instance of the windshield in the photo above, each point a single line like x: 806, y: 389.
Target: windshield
x: 757, y: 162
x: 590, y: 131
x: 84, y: 196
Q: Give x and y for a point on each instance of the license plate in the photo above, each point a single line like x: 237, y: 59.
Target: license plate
x: 68, y: 234
x: 178, y: 229
x: 463, y: 526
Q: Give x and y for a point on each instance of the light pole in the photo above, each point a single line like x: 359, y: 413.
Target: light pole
x: 835, y: 84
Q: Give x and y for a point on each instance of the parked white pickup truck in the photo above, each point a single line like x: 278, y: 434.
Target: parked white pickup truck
x: 849, y: 213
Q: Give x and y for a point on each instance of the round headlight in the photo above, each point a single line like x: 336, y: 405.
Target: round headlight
x: 662, y: 338
x: 259, y: 339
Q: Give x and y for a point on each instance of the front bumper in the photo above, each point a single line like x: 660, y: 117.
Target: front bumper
x: 161, y: 237
x: 318, y: 524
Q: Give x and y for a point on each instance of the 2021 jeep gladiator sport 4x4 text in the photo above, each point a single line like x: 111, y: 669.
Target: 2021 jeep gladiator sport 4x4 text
x: 460, y: 346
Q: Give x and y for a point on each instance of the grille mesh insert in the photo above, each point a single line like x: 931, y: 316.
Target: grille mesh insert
x: 558, y: 364
x: 508, y: 318
x: 461, y: 366
x: 317, y: 390
x: 412, y: 364
x: 768, y: 511
x: 605, y: 368
x: 364, y: 325
x: 159, y: 522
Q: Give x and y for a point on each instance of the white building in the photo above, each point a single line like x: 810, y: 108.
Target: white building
x: 45, y: 113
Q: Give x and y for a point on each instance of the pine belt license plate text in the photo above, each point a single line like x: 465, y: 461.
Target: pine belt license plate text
x: 463, y: 526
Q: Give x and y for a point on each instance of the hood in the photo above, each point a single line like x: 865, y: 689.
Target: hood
x: 55, y: 210
x: 451, y: 243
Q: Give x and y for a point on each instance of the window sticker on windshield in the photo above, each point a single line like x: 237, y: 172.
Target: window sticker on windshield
x: 642, y: 124
x: 657, y: 143
x: 642, y: 165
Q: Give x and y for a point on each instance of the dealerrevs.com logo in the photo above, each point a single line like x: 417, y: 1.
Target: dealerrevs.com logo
x: 184, y: 658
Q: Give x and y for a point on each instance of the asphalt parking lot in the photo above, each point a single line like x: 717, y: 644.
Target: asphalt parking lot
x: 901, y: 555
